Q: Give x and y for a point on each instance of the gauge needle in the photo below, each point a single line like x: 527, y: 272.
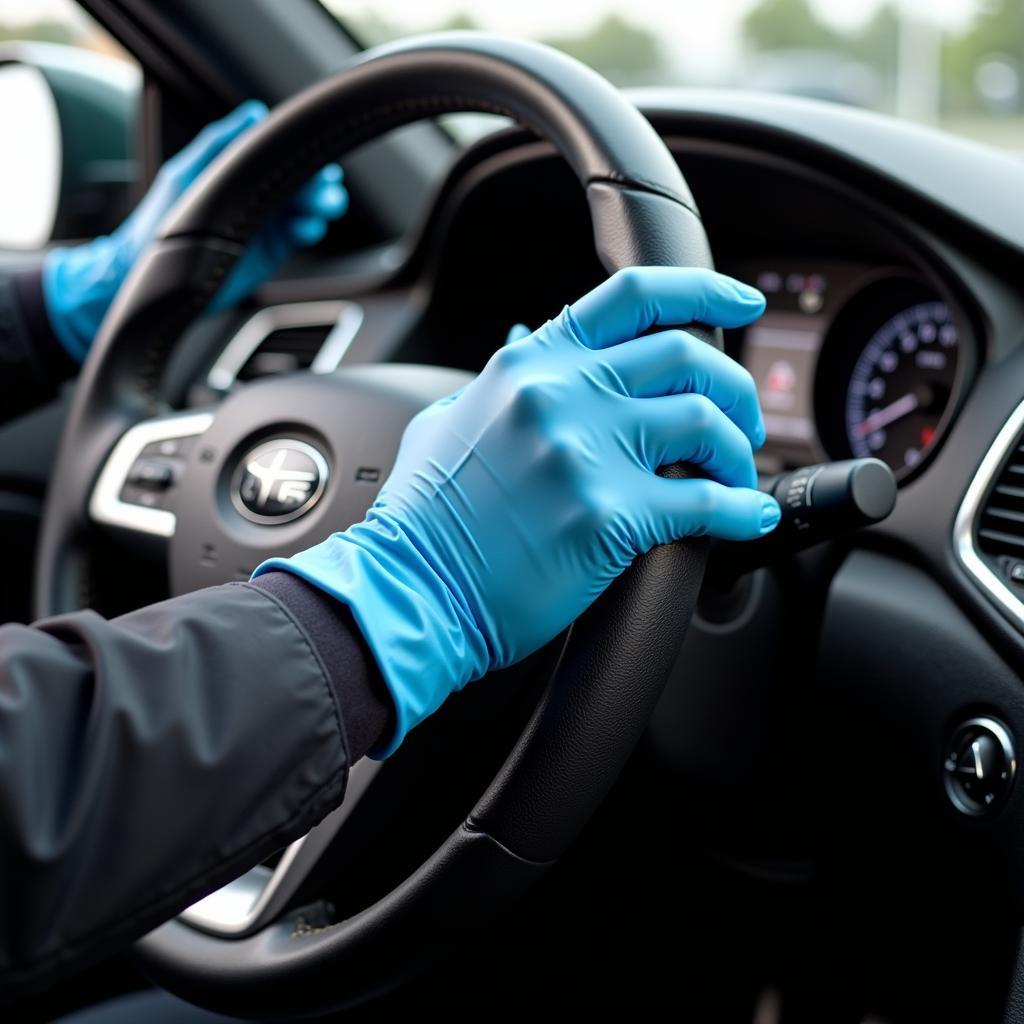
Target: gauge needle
x: 901, y: 407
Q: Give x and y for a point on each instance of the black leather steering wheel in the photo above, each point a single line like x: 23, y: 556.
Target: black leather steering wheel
x: 618, y: 655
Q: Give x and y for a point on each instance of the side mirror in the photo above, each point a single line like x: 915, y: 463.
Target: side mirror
x: 68, y: 120
x: 30, y: 174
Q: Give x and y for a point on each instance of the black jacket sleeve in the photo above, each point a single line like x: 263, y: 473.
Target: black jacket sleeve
x: 33, y: 363
x: 147, y: 760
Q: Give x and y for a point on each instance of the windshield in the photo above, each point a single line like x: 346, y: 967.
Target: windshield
x: 954, y: 64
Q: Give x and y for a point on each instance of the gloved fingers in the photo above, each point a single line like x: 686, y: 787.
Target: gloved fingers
x: 303, y: 222
x: 308, y: 216
x: 306, y: 231
x: 323, y: 196
x: 691, y: 428
x: 516, y: 333
x: 674, y: 362
x: 693, y: 508
x: 215, y: 138
x: 637, y: 298
x: 270, y: 250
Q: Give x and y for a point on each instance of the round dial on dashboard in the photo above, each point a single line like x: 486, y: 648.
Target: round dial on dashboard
x: 901, y: 385
x: 889, y: 375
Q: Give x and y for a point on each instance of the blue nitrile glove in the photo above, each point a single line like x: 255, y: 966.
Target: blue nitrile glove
x: 79, y: 284
x: 514, y: 503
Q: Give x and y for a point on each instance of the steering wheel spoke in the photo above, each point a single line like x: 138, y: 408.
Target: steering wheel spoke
x: 256, y: 898
x: 136, y: 487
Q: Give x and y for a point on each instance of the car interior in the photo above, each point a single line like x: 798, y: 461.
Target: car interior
x: 784, y: 794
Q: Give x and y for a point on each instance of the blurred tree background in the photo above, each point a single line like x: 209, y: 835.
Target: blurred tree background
x: 70, y: 27
x: 982, y: 66
x: 986, y: 64
x: 623, y: 51
x: 46, y: 31
x: 982, y: 69
x: 784, y: 45
x: 787, y: 25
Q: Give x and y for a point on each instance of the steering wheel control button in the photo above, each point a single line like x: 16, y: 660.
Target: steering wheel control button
x: 169, y: 447
x: 980, y: 766
x: 278, y: 481
x: 144, y: 497
x: 154, y: 474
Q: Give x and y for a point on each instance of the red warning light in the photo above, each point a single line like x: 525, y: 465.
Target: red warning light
x: 927, y: 436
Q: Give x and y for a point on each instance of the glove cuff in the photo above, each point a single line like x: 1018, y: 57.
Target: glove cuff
x: 79, y: 285
x: 425, y: 642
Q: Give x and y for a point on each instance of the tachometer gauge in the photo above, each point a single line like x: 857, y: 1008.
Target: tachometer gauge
x: 901, y: 386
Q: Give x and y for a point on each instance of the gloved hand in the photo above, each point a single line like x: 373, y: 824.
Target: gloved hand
x: 514, y: 503
x: 79, y: 284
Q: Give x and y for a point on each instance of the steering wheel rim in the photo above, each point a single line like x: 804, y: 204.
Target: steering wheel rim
x: 619, y: 653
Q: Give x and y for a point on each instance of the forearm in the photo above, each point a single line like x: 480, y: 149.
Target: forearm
x: 148, y: 760
x: 33, y: 363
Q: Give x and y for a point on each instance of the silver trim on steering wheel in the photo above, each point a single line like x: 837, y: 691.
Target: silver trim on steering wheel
x: 970, y: 508
x: 257, y: 897
x: 347, y: 318
x: 106, y: 506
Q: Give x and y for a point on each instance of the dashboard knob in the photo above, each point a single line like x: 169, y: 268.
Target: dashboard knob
x: 979, y: 767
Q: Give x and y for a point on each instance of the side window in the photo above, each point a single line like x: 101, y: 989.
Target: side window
x: 69, y: 108
x: 61, y: 22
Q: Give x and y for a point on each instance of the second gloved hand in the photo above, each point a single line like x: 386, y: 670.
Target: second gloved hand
x: 514, y: 503
x: 80, y: 283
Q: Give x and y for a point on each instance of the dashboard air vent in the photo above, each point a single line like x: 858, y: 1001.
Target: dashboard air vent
x: 988, y: 534
x: 1001, y: 516
x: 280, y: 339
x: 285, y: 350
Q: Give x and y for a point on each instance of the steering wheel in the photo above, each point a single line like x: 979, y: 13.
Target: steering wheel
x: 617, y: 656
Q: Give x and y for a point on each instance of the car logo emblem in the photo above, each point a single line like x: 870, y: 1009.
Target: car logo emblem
x: 278, y: 481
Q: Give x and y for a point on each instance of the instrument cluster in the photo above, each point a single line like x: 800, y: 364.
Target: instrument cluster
x: 852, y: 361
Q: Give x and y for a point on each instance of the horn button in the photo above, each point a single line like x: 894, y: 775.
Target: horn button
x: 290, y: 460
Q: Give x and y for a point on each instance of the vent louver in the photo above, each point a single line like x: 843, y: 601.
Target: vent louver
x: 988, y: 534
x: 280, y: 339
x: 1001, y: 516
x: 285, y: 350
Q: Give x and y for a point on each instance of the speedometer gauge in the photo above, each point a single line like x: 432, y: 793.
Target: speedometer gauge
x: 901, y: 386
x: 891, y: 372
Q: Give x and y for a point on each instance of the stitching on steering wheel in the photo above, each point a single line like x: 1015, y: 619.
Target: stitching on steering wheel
x: 151, y: 363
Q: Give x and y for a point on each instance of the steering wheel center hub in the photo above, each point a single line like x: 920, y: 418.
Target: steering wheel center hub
x: 278, y: 481
x: 289, y: 460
